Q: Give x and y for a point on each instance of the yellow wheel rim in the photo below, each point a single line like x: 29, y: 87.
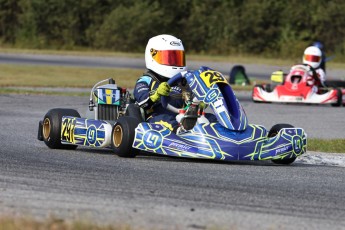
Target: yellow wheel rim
x: 117, y: 135
x: 46, y: 128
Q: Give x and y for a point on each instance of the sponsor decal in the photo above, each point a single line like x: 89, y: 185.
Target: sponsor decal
x: 176, y: 89
x: 140, y: 85
x: 91, y: 134
x: 291, y: 98
x: 175, y: 43
x: 290, y: 131
x: 142, y: 89
x: 211, y: 95
x: 152, y: 139
x: 110, y: 95
x: 297, y: 144
x: 180, y: 146
x: 281, y: 150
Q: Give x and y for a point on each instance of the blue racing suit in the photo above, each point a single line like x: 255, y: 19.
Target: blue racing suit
x: 155, y: 113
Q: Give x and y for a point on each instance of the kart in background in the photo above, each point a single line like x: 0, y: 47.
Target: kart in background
x: 127, y: 133
x: 299, y: 86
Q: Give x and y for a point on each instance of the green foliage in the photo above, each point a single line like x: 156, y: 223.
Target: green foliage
x: 118, y: 32
x: 9, y: 12
x: 226, y: 27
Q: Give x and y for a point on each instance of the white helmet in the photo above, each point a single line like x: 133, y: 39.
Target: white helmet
x: 312, y: 56
x: 165, y: 55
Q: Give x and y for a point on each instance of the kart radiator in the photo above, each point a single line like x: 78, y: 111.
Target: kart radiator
x: 107, y: 112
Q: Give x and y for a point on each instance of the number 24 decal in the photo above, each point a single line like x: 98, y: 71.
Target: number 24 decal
x: 68, y: 126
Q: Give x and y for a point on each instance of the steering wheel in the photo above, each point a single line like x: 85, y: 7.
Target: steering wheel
x: 164, y: 99
x: 310, y: 68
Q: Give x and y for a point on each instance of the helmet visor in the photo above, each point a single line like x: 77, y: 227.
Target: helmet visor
x: 312, y: 58
x: 169, y: 57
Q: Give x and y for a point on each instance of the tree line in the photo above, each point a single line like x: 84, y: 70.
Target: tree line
x: 272, y: 28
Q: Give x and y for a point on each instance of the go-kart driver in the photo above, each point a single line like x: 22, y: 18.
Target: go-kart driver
x: 164, y: 58
x: 313, y: 57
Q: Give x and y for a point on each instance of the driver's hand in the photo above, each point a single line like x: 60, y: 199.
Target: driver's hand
x: 162, y: 90
x: 202, y: 105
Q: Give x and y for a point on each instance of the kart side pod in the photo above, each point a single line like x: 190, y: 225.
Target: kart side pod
x: 64, y: 129
x: 86, y: 132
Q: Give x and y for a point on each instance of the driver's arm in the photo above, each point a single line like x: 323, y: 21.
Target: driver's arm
x: 147, y: 91
x: 322, y: 76
x: 142, y: 92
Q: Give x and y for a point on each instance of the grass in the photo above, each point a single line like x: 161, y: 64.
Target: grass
x: 331, y: 146
x: 85, y: 52
x: 10, y: 223
x: 38, y: 91
x: 63, y: 76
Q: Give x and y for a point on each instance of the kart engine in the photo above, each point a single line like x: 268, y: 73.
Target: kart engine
x: 108, y: 101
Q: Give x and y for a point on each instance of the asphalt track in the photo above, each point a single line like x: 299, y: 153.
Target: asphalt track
x: 151, y: 192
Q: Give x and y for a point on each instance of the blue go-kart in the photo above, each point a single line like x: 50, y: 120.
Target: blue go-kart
x: 127, y: 133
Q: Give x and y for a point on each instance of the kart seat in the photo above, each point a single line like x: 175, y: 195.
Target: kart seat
x: 295, y: 79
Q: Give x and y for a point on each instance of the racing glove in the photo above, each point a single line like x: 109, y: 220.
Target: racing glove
x: 202, y: 105
x: 162, y: 90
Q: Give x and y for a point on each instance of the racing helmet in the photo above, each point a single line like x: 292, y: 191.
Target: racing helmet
x: 164, y: 55
x: 312, y: 56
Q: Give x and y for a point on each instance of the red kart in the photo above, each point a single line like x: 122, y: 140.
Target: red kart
x: 301, y: 85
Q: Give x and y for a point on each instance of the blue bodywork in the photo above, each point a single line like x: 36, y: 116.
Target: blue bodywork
x: 231, y: 138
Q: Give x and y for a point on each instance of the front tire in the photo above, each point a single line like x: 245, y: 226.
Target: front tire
x: 274, y: 132
x: 51, y: 128
x: 123, y: 136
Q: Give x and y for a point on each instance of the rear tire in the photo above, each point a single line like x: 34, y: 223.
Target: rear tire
x: 51, y: 128
x: 272, y: 133
x: 123, y: 136
x: 133, y: 110
x: 269, y: 88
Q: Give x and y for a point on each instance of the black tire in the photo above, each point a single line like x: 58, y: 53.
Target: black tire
x: 269, y: 88
x: 51, y: 128
x: 122, y: 137
x: 335, y: 83
x: 133, y: 110
x: 272, y: 133
x: 340, y: 99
